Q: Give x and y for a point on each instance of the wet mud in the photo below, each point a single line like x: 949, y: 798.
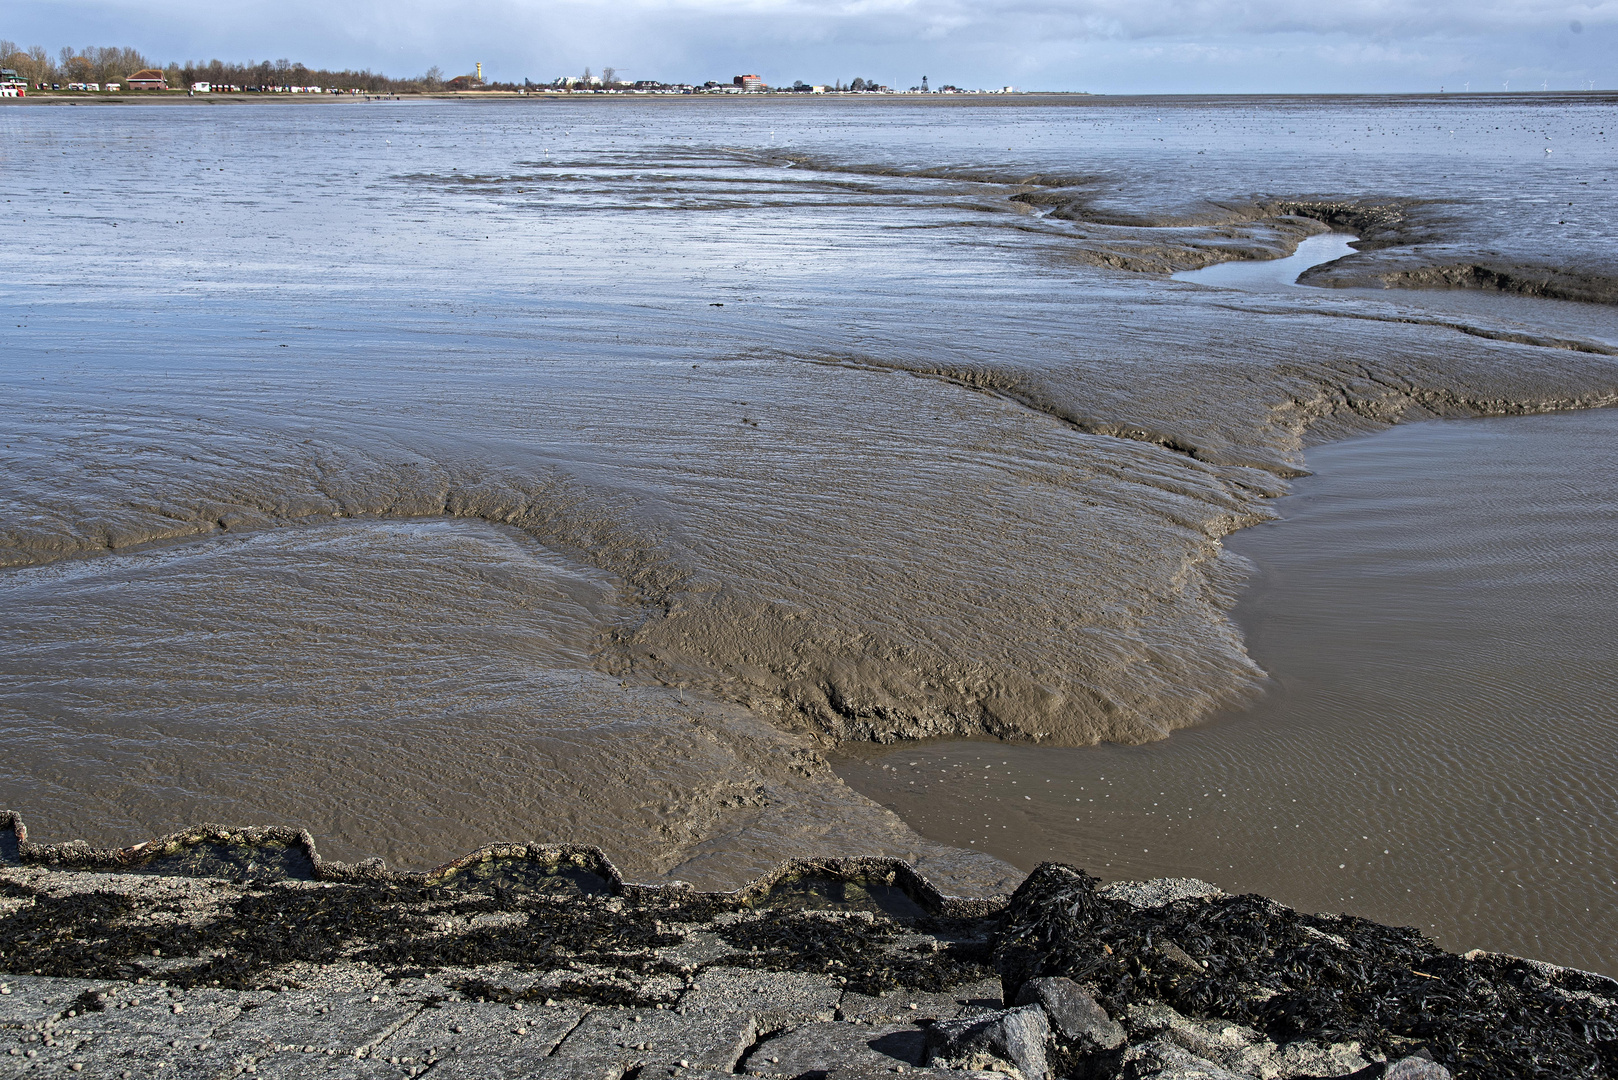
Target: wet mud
x: 725, y: 461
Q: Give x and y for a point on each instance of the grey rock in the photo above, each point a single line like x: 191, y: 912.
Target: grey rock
x: 1240, y: 1049
x: 348, y: 1023
x: 1416, y: 1068
x: 1016, y: 1036
x: 895, y: 1008
x: 187, y: 1061
x: 1159, y: 892
x: 1074, y: 1015
x: 33, y: 999
x: 300, y: 1066
x: 524, y: 1066
x: 779, y: 999
x: 473, y: 1029
x: 815, y: 1050
x: 1161, y: 1059
x: 1167, y: 956
x: 712, y: 1039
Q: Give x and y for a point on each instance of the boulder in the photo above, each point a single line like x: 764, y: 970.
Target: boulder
x: 1161, y: 1059
x: 1416, y: 1068
x: 1074, y: 1015
x: 1239, y: 1049
x: 1014, y: 1037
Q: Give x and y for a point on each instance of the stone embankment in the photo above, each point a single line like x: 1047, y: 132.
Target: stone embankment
x: 221, y: 953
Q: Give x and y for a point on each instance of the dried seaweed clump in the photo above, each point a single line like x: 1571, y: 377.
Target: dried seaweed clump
x: 1296, y: 976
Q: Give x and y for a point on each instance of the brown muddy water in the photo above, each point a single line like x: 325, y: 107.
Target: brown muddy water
x: 432, y: 474
x: 1437, y: 744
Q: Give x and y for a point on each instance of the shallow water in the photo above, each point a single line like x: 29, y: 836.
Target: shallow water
x: 1275, y: 273
x: 715, y: 434
x: 1435, y: 745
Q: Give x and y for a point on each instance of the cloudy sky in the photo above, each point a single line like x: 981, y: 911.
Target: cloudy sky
x: 1109, y: 46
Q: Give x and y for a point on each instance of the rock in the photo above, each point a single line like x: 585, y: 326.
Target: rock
x: 815, y: 1050
x: 1073, y: 1013
x: 1416, y: 1068
x: 1016, y: 965
x: 1167, y: 956
x: 713, y: 1039
x: 1159, y: 892
x: 910, y: 1006
x: 1015, y: 1036
x: 1161, y: 1059
x: 1240, y: 1049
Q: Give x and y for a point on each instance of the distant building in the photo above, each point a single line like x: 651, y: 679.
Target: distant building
x: 749, y: 82
x: 147, y: 79
x: 8, y: 77
x: 464, y: 82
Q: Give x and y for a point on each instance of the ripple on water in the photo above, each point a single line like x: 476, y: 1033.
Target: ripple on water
x: 1438, y: 745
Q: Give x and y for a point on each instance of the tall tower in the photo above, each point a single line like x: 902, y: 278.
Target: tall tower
x: 924, y: 84
x: 480, y: 71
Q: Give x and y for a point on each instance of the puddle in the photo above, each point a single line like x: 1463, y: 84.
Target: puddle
x: 1273, y: 273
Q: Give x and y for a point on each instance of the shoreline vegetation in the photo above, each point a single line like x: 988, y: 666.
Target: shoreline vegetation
x: 103, y: 70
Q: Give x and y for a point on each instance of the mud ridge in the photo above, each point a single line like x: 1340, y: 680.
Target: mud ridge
x: 1403, y: 242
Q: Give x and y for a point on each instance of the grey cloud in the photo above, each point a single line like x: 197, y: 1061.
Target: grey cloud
x: 1103, y: 45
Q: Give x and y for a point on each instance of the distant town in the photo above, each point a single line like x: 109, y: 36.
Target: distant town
x: 123, y: 70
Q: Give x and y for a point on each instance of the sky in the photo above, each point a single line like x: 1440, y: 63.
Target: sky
x: 1103, y: 46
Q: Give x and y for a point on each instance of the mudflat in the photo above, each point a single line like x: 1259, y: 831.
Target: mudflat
x: 433, y: 473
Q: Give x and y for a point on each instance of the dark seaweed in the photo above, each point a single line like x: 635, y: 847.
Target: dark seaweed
x: 1297, y: 976
x: 853, y: 949
x: 90, y: 1001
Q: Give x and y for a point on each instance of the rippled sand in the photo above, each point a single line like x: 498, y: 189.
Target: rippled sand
x: 825, y: 425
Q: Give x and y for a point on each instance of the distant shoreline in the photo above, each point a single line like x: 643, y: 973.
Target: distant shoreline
x: 994, y: 98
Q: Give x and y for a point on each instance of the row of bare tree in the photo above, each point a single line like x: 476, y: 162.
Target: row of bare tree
x: 97, y: 64
x: 105, y: 64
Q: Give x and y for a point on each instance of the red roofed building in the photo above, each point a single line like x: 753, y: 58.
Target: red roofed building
x: 147, y: 79
x: 749, y: 82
